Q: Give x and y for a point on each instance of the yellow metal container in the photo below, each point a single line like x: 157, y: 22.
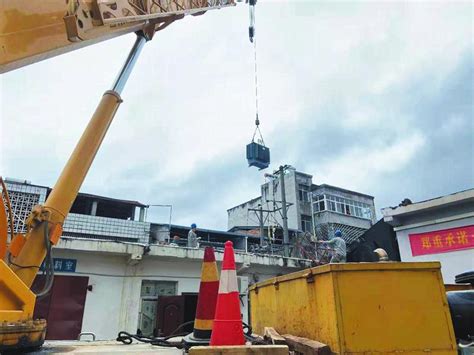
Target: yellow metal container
x: 359, y: 307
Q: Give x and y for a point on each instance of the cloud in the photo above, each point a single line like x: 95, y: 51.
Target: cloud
x: 376, y: 97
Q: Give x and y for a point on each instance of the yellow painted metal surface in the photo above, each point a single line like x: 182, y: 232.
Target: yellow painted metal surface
x: 17, y: 336
x: 33, y: 30
x: 240, y: 350
x: 360, y: 307
x: 17, y: 302
x: 65, y: 190
x: 3, y: 228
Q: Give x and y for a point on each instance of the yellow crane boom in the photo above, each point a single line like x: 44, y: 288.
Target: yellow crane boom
x: 33, y: 30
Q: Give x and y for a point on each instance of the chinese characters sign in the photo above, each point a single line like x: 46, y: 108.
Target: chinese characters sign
x: 62, y: 265
x: 442, y: 241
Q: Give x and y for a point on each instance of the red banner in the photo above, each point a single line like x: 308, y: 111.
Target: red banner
x: 442, y: 241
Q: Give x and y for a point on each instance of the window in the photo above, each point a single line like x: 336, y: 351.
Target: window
x: 342, y: 205
x: 152, y: 288
x: 321, y: 205
x: 306, y: 225
x: 318, y: 203
x: 366, y: 213
x: 303, y: 193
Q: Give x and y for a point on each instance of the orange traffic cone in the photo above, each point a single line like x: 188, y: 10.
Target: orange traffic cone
x: 207, y: 299
x: 227, y: 327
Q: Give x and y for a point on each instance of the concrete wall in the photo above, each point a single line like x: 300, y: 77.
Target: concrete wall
x: 333, y: 217
x: 272, y: 191
x: 114, y: 302
x: 350, y: 196
x: 303, y: 207
x: 103, y: 304
x: 240, y: 216
x: 452, y: 263
x: 433, y: 213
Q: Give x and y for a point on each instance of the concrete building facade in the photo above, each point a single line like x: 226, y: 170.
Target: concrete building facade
x: 318, y: 209
x: 335, y: 208
x: 441, y: 229
x: 91, y: 216
x: 298, y: 199
x: 118, y: 274
x: 114, y: 274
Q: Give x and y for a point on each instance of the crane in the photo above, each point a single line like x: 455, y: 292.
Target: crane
x: 35, y: 30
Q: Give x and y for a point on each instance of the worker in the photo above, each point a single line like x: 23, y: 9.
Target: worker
x: 192, y: 237
x: 339, y: 246
x: 175, y: 242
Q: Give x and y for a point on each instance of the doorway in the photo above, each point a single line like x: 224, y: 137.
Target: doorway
x: 190, y: 306
x: 150, y: 291
x: 63, y: 308
x: 173, y: 311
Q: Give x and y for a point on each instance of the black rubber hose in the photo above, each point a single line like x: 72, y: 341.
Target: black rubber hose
x: 127, y: 338
x: 48, y: 264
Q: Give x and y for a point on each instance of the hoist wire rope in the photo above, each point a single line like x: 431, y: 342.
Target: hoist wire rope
x: 254, y: 41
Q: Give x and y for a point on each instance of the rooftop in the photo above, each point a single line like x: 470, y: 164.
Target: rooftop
x: 460, y: 197
x: 9, y: 180
x: 80, y: 194
x: 110, y: 199
x: 137, y: 251
x: 246, y: 202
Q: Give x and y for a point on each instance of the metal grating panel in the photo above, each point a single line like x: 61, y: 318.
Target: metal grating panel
x: 349, y: 233
x: 23, y: 198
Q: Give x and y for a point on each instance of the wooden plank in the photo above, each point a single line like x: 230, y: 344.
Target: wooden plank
x: 270, y: 334
x: 306, y: 346
x: 240, y: 350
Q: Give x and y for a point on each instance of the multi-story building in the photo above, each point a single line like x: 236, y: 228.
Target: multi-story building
x: 318, y: 209
x: 115, y: 271
x: 298, y: 199
x: 335, y: 208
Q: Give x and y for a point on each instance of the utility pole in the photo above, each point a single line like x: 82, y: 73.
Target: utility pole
x: 284, y: 215
x: 260, y: 215
x: 259, y: 212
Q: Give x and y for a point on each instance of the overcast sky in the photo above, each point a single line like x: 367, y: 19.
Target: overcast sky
x: 375, y: 97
